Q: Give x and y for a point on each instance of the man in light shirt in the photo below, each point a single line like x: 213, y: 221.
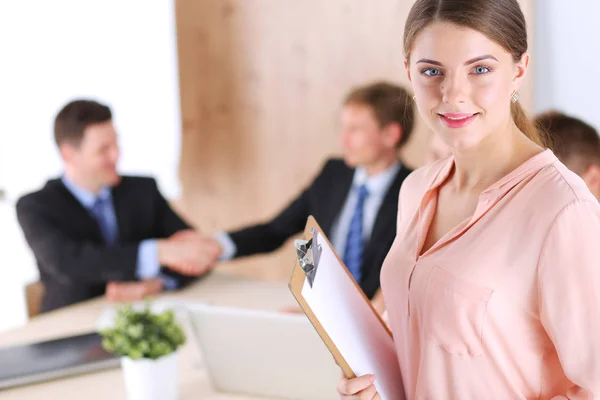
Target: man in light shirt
x: 354, y: 199
x: 576, y: 144
x: 95, y: 232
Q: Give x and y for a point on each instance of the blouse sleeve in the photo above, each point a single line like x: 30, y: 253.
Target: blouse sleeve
x: 569, y: 295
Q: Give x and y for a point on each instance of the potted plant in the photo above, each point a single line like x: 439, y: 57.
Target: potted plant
x: 147, y: 343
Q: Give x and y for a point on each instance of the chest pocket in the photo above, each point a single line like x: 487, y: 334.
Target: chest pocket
x: 455, y: 313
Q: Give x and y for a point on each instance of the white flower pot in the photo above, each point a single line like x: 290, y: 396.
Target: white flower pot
x: 147, y: 379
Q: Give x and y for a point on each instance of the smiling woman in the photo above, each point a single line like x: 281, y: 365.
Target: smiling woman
x: 502, y: 38
x: 491, y: 285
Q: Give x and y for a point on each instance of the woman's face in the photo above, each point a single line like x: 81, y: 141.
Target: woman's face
x: 462, y: 82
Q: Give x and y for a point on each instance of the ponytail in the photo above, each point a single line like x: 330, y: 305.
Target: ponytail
x: 527, y: 127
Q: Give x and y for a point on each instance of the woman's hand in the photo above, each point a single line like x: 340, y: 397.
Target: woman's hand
x: 361, y: 388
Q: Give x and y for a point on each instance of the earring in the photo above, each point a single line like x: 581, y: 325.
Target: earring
x: 414, y: 98
x: 514, y: 96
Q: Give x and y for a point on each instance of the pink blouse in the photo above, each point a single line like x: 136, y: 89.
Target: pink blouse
x: 507, y: 304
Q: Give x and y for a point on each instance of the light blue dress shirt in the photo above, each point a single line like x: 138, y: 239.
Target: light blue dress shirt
x: 147, y: 266
x: 378, y: 185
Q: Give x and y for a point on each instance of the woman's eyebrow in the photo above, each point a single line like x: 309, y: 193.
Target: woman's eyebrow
x: 471, y: 61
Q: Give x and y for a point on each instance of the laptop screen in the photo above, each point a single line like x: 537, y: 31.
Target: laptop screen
x: 36, y: 362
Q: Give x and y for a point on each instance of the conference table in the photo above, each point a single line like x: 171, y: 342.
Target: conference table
x: 218, y: 288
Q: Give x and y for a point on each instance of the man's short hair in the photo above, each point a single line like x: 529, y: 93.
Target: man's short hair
x: 390, y: 103
x: 574, y: 142
x: 72, y: 120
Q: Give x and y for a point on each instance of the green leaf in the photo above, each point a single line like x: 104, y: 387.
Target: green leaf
x: 143, y: 334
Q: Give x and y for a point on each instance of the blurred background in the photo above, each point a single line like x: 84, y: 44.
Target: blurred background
x: 231, y: 104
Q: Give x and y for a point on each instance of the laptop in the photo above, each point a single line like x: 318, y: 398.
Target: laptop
x: 52, y: 359
x: 264, y: 353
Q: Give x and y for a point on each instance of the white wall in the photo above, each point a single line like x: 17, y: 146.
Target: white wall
x: 119, y: 52
x: 16, y: 268
x: 567, y: 57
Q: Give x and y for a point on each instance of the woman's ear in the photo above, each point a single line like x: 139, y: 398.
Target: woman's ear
x: 521, y: 67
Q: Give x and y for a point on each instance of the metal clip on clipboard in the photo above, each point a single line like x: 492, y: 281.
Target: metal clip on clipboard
x: 308, y: 253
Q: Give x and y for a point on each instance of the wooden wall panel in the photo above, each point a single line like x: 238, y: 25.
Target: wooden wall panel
x: 261, y: 85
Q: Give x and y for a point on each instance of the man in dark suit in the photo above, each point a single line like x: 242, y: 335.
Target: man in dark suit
x: 95, y: 232
x: 354, y: 200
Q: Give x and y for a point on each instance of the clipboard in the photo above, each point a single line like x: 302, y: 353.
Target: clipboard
x: 359, y: 340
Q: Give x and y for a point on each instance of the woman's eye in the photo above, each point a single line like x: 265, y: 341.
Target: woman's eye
x: 431, y: 72
x: 481, y: 70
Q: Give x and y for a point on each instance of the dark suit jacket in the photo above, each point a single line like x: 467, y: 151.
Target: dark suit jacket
x: 74, y: 262
x: 324, y: 199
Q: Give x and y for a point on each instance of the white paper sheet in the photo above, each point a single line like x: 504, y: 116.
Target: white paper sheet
x: 352, y: 325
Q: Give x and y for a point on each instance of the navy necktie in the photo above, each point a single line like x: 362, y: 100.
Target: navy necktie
x: 353, y: 254
x: 101, y: 209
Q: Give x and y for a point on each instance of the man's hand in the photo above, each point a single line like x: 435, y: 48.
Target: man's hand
x: 189, y: 252
x: 132, y: 291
